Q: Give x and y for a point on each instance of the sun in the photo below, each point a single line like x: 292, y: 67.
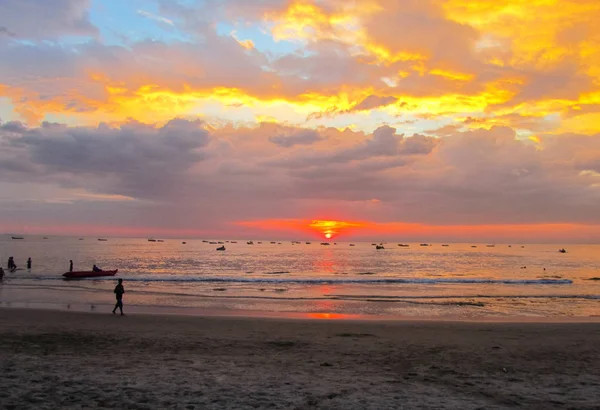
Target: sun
x: 328, y: 235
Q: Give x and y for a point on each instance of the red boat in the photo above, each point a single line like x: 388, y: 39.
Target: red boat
x: 89, y: 274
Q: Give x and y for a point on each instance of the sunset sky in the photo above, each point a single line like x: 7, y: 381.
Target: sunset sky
x: 427, y: 120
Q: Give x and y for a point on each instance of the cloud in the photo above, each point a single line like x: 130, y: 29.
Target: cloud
x: 41, y: 20
x: 182, y: 175
x: 155, y: 17
x: 300, y: 137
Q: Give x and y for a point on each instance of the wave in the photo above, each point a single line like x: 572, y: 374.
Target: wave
x: 319, y: 281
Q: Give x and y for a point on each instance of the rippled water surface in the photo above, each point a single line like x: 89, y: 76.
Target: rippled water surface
x: 458, y: 280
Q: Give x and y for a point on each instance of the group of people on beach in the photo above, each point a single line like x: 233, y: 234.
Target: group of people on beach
x: 12, y: 266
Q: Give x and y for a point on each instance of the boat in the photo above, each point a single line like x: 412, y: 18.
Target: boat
x: 250, y: 243
x: 273, y: 243
x: 563, y: 250
x: 403, y: 245
x: 325, y: 243
x: 308, y: 243
x: 351, y: 244
x: 17, y: 237
x: 183, y: 243
x: 159, y: 240
x: 445, y: 245
x: 233, y: 241
x: 259, y: 243
x: 212, y: 243
x: 379, y: 247
x: 81, y: 239
x: 221, y: 248
x: 220, y: 243
x: 424, y: 244
x: 473, y: 246
x: 491, y: 246
x: 89, y: 274
x: 151, y: 240
x: 102, y: 240
x: 45, y: 237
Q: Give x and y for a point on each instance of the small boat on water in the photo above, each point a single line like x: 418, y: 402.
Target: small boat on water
x: 45, y: 237
x: 402, y: 245
x: 233, y: 241
x: 308, y: 243
x: 221, y: 248
x: 325, y: 243
x: 563, y: 250
x: 352, y: 244
x: 151, y: 240
x: 89, y: 274
x: 81, y: 239
x: 159, y: 240
x: 102, y: 240
x: 424, y: 244
x: 17, y: 237
x: 212, y: 243
x: 250, y: 243
x: 379, y: 247
x: 183, y: 243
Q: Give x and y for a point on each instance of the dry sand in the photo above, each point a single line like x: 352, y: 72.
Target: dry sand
x: 52, y: 360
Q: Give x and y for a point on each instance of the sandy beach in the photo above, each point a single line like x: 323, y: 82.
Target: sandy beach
x: 55, y: 360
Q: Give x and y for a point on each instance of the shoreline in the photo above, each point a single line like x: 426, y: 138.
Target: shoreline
x: 53, y: 359
x: 136, y: 310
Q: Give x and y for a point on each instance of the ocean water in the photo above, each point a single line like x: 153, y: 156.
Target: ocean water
x: 454, y: 281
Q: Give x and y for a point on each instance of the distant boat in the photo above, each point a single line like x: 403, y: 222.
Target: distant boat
x: 259, y: 242
x: 205, y: 241
x: 379, y: 247
x: 563, y: 250
x: 45, y: 237
x: 403, y: 245
x: 373, y: 244
x: 491, y: 246
x: 183, y: 243
x: 81, y: 239
x: 473, y: 246
x: 220, y: 243
x: 213, y: 243
x: 151, y: 240
x: 233, y: 241
x: 250, y: 243
x: 273, y: 243
x: 510, y: 246
x: 221, y: 248
x: 159, y: 240
x: 325, y: 243
x: 102, y: 240
x: 351, y: 244
x: 445, y: 245
x: 17, y: 237
x: 424, y: 244
x: 308, y: 243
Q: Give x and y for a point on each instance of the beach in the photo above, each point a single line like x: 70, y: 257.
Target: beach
x: 56, y: 359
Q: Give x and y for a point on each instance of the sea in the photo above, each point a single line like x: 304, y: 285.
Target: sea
x: 462, y: 281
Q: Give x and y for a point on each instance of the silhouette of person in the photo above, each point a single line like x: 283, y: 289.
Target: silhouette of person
x: 96, y: 269
x: 71, y: 265
x: 1, y: 273
x: 29, y: 263
x: 119, y: 291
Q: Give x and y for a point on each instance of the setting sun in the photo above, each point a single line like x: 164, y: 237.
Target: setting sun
x: 328, y: 235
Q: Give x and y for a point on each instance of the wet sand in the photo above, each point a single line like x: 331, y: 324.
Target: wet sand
x: 52, y: 360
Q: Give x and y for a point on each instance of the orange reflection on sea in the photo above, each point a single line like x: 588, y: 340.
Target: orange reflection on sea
x: 332, y: 316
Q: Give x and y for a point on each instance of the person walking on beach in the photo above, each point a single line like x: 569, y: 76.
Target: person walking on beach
x: 29, y: 263
x: 119, y: 291
x: 1, y: 273
x: 71, y: 265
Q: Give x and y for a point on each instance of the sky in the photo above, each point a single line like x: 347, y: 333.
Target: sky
x: 424, y: 120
